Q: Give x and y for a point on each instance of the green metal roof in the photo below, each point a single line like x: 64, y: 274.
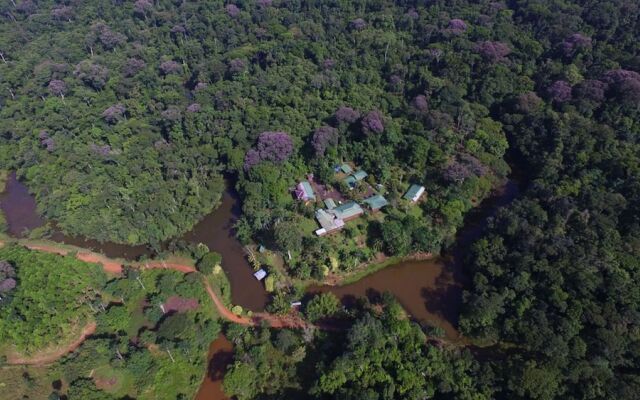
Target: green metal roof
x: 413, y: 191
x: 347, y: 210
x: 330, y: 203
x: 308, y: 189
x: 376, y: 201
x: 346, y: 168
x: 360, y: 175
x: 350, y: 180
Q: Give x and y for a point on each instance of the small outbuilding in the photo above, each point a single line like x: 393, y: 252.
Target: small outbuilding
x: 329, y: 203
x: 260, y: 274
x: 346, y: 168
x: 304, y: 191
x: 376, y: 202
x: 414, y: 193
x: 357, y: 176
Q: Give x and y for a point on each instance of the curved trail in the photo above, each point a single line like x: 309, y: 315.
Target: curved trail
x: 115, y: 267
x: 49, y: 357
x: 274, y: 321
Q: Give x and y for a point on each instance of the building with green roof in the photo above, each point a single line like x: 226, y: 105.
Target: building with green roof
x: 347, y: 211
x: 329, y: 203
x: 355, y: 177
x: 346, y: 168
x: 376, y: 202
x: 414, y: 193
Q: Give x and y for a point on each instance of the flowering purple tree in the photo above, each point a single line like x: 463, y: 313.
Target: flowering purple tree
x: 473, y: 164
x: 26, y: 7
x: 265, y: 3
x: 527, y: 102
x: 492, y: 51
x: 358, y: 24
x: 133, y: 66
x: 455, y: 172
x: 372, y: 122
x: 236, y: 66
x: 251, y: 159
x: 106, y: 36
x: 91, y: 74
x: 101, y: 150
x: 142, y: 7
x: 421, y: 103
x: 178, y: 29
x: 457, y: 26
x: 395, y: 83
x: 275, y: 146
x: 193, y: 108
x: 62, y: 13
x: 172, y: 113
x: 575, y: 42
x: 232, y: 10
x: 623, y: 83
x: 114, y: 113
x: 324, y: 137
x: 591, y: 89
x: 328, y: 63
x: 201, y: 86
x: 57, y: 88
x: 559, y: 91
x: 46, y: 141
x: 7, y: 277
x: 170, y: 67
x: 412, y: 13
x: 346, y: 115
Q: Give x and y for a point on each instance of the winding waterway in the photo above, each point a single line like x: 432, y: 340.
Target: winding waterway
x: 215, y: 230
x: 430, y: 290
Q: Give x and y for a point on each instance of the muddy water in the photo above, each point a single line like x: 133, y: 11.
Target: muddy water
x: 215, y: 230
x: 431, y: 290
x: 19, y: 208
x: 220, y: 356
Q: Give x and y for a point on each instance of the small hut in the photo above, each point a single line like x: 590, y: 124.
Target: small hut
x: 414, y: 193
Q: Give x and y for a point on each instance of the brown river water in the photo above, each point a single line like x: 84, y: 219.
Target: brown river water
x: 430, y: 290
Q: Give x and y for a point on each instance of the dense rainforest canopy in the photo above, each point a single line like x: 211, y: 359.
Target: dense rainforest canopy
x: 122, y: 117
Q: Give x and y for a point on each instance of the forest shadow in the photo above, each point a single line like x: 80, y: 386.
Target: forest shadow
x: 217, y: 366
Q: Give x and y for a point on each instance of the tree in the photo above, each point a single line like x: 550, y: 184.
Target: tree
x: 372, y: 123
x: 324, y: 137
x: 321, y: 306
x: 208, y: 262
x: 288, y: 235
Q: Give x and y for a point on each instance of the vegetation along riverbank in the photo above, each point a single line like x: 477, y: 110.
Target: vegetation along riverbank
x: 207, y: 160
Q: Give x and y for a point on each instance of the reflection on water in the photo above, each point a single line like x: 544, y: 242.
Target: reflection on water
x: 220, y: 356
x: 19, y: 208
x: 215, y: 230
x: 430, y: 290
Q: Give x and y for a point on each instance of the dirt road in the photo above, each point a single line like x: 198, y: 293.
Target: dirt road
x: 115, y: 267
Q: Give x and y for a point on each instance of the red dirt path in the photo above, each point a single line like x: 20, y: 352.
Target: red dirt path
x: 115, y: 267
